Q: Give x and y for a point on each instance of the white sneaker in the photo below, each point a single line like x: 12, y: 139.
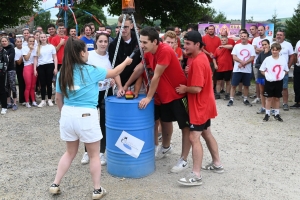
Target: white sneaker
x: 28, y: 105
x: 162, y: 152
x: 102, y: 159
x: 34, y: 104
x: 256, y: 100
x: 180, y: 165
x: 50, y: 103
x: 24, y: 104
x: 42, y: 104
x: 85, y: 158
x: 3, y: 111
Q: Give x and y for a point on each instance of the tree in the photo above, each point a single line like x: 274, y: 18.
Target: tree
x: 82, y: 17
x: 220, y: 17
x: 15, y: 12
x: 275, y: 21
x: 209, y: 14
x: 42, y: 19
x: 251, y: 20
x: 293, y: 27
x: 175, y: 12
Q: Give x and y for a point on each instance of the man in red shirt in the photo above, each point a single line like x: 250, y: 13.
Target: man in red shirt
x: 52, y: 32
x: 202, y: 108
x: 167, y: 75
x: 230, y: 41
x: 212, y: 42
x: 223, y: 66
x: 59, y: 43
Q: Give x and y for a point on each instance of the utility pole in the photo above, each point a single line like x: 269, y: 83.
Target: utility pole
x: 244, y: 14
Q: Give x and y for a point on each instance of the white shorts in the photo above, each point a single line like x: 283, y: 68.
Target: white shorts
x: 77, y: 123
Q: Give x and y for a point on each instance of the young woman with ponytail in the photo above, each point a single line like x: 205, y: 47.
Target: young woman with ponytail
x: 77, y: 98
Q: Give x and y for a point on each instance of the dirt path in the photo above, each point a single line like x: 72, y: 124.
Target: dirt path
x: 261, y: 160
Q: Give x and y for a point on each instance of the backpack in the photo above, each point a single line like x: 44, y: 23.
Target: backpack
x: 3, y: 60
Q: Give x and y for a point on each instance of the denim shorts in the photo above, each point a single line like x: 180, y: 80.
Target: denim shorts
x: 260, y: 81
x: 285, y: 81
x: 238, y: 77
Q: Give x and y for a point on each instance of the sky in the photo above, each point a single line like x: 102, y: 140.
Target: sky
x: 260, y: 9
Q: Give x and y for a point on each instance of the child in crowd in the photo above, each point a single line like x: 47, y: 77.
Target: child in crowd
x: 274, y: 68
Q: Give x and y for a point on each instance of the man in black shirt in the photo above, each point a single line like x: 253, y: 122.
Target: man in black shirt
x: 127, y: 44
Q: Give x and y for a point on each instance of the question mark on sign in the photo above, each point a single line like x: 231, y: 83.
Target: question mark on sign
x: 247, y: 54
x: 279, y: 70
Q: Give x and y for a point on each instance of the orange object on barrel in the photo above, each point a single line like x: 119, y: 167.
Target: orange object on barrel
x: 129, y: 95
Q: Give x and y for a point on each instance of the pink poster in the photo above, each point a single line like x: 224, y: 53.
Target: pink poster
x: 233, y: 29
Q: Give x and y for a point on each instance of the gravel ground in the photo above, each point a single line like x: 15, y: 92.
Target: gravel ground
x: 260, y: 160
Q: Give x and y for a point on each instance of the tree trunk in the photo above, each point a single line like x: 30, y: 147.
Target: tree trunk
x: 138, y: 15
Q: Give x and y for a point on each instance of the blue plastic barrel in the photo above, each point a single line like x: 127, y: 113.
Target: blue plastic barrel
x: 124, y: 115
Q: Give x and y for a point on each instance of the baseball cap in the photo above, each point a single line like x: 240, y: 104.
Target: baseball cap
x: 194, y: 36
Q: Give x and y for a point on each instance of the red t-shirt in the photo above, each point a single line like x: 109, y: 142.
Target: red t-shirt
x: 145, y: 80
x: 178, y: 52
x: 60, y: 53
x: 173, y: 75
x: 224, y: 59
x: 231, y: 41
x: 212, y: 43
x: 202, y: 106
x: 50, y: 39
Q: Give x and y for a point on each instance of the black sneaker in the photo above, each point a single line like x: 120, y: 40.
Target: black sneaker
x: 222, y: 91
x: 226, y: 97
x: 267, y: 117
x: 296, y: 105
x: 278, y: 118
x: 247, y: 103
x: 230, y: 103
x: 217, y: 96
x: 238, y: 93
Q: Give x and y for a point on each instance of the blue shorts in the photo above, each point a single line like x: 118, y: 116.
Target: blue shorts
x: 238, y: 77
x: 285, y: 81
x: 260, y: 81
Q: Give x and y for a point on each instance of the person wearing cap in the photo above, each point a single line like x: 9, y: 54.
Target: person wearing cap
x: 202, y: 108
x: 167, y: 74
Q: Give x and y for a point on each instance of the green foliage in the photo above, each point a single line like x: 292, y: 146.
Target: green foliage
x: 84, y: 18
x: 251, y: 20
x: 220, y: 18
x: 293, y: 27
x: 276, y: 22
x: 208, y: 14
x: 175, y: 12
x: 42, y: 19
x: 13, y: 13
